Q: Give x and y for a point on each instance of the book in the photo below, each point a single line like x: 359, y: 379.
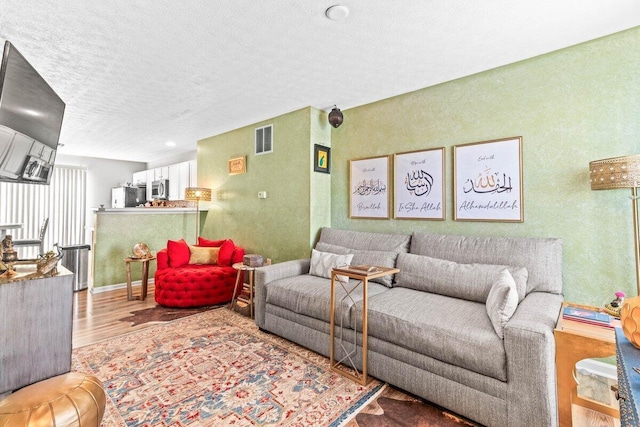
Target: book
x: 586, y: 315
x: 585, y: 328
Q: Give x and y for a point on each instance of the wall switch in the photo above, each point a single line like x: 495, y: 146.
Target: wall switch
x: 262, y: 194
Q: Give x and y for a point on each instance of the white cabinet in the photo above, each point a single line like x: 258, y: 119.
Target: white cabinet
x: 193, y: 173
x: 161, y: 173
x: 140, y: 178
x: 176, y: 188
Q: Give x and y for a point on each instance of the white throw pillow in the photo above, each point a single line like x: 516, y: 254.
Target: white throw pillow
x: 502, y: 301
x: 323, y: 262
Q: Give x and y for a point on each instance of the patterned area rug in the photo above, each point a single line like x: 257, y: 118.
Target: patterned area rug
x: 217, y: 369
x: 159, y: 314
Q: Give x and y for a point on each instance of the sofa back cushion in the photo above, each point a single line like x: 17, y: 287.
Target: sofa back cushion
x: 365, y: 257
x: 542, y: 257
x: 471, y: 282
x: 365, y: 240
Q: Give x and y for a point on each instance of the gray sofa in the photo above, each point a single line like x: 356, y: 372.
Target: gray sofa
x: 430, y: 330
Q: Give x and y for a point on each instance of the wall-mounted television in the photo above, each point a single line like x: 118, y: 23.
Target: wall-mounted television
x: 30, y: 121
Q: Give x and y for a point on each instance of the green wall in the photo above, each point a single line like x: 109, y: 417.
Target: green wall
x: 570, y: 107
x: 285, y: 224
x: 117, y: 233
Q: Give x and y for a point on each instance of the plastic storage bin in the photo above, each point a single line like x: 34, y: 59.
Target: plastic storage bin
x: 75, y: 258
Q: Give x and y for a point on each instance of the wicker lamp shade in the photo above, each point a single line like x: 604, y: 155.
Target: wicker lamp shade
x: 197, y: 194
x: 616, y: 172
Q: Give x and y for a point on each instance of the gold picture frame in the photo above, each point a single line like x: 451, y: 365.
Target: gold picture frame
x: 487, y: 182
x: 238, y: 165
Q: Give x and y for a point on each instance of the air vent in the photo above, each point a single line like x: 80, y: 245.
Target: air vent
x: 264, y: 139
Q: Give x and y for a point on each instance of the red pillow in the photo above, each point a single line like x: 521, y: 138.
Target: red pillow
x: 210, y: 243
x: 226, y: 249
x: 178, y: 252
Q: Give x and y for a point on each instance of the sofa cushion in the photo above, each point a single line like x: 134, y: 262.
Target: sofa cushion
x: 178, y: 252
x: 502, y: 301
x: 365, y: 240
x: 468, y: 281
x: 454, y: 331
x: 323, y: 262
x: 365, y: 257
x: 226, y: 248
x: 542, y: 257
x: 311, y: 296
x: 203, y: 255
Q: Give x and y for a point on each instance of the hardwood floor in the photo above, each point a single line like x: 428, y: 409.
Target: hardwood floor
x: 95, y: 316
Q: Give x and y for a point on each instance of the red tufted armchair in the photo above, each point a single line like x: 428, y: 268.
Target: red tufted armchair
x: 199, y: 275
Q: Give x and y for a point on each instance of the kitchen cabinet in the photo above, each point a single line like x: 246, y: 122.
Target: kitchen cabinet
x: 161, y: 173
x: 176, y: 187
x: 193, y: 173
x: 140, y: 178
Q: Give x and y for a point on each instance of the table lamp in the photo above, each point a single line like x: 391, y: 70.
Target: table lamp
x: 197, y: 194
x: 620, y: 172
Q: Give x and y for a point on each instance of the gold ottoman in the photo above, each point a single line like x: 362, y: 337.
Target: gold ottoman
x: 72, y: 399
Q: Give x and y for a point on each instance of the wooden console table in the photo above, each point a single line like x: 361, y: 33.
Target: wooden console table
x: 363, y: 277
x: 571, y: 347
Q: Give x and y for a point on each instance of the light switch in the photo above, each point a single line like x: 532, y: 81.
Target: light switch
x: 262, y: 194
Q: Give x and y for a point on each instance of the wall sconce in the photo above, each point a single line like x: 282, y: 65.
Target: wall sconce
x: 197, y: 194
x: 335, y: 117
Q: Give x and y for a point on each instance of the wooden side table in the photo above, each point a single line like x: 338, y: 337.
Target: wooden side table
x: 246, y: 292
x: 571, y: 347
x: 363, y: 277
x: 145, y: 277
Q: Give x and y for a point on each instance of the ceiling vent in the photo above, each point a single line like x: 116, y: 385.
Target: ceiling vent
x: 264, y: 139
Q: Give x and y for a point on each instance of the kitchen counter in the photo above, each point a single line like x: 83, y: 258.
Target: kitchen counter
x: 150, y: 210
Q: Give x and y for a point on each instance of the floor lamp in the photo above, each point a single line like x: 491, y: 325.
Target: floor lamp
x: 620, y: 172
x: 197, y: 194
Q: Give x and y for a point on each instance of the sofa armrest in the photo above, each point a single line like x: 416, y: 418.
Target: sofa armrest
x: 269, y: 273
x: 531, y: 360
x: 162, y: 259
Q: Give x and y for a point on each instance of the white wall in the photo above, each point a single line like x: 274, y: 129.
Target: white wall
x: 102, y: 176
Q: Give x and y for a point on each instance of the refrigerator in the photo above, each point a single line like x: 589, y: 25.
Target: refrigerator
x: 128, y: 197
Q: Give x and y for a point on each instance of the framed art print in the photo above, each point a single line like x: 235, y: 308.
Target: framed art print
x: 321, y: 158
x: 419, y: 185
x: 238, y: 165
x: 369, y: 188
x: 488, y: 181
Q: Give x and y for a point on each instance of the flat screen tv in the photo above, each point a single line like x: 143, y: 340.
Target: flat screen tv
x: 30, y: 121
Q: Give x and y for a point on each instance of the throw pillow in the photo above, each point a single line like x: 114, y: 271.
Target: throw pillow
x: 178, y: 253
x: 203, y: 255
x: 322, y: 263
x: 365, y: 257
x: 502, y: 302
x: 226, y: 248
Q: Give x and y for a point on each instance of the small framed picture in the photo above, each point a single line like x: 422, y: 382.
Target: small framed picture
x: 238, y: 165
x: 488, y: 181
x: 369, y: 188
x: 321, y: 158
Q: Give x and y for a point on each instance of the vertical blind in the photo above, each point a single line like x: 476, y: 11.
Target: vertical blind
x: 63, y: 201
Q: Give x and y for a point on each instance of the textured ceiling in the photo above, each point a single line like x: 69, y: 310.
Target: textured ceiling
x: 137, y: 74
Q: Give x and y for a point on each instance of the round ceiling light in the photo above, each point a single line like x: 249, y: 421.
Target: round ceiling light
x: 337, y: 12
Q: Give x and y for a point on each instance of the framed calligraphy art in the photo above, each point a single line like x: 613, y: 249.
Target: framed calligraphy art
x: 419, y: 185
x: 488, y: 181
x: 369, y: 188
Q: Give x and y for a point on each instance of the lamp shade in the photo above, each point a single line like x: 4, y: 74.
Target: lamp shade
x: 616, y: 172
x: 197, y: 194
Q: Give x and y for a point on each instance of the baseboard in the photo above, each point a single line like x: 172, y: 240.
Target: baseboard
x: 116, y: 286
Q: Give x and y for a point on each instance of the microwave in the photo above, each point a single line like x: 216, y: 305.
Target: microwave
x: 160, y: 189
